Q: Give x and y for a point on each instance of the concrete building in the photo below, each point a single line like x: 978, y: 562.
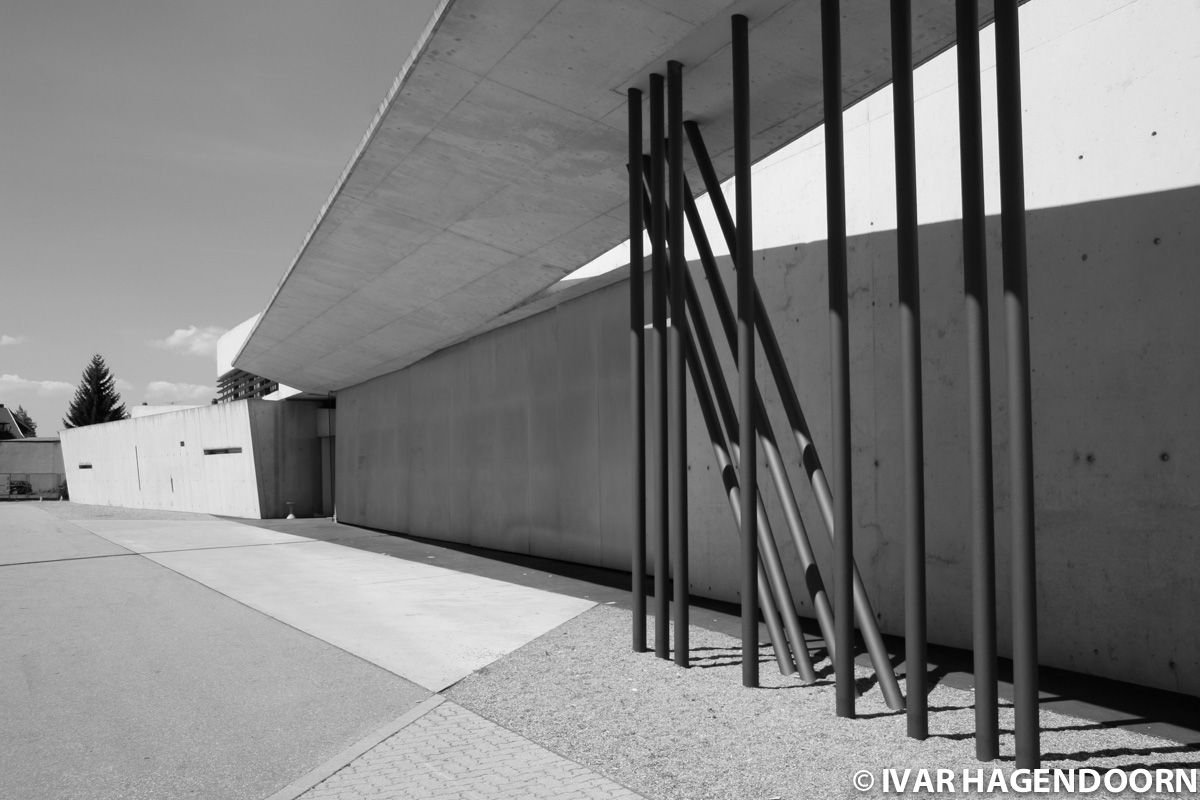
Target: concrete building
x: 31, y: 467
x: 10, y: 428
x: 480, y: 404
x: 251, y: 458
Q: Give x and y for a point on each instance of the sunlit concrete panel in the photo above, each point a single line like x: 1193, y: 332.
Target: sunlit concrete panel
x: 249, y: 458
x: 430, y: 625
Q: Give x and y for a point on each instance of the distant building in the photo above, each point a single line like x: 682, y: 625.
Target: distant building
x: 9, y: 427
x: 30, y: 466
x: 236, y: 384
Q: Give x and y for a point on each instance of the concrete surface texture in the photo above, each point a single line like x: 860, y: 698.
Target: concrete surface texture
x: 496, y: 165
x: 244, y: 459
x: 123, y: 676
x: 431, y: 625
x: 519, y: 439
x: 122, y: 680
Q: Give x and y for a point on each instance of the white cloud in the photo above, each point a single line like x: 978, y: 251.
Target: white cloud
x: 5, y: 339
x: 15, y: 383
x: 192, y: 340
x: 169, y: 392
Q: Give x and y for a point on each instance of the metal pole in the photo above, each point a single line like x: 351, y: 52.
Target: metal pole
x: 771, y: 571
x: 745, y: 301
x: 677, y: 399
x: 1020, y: 406
x: 658, y: 299
x: 637, y: 367
x: 777, y: 604
x: 768, y: 552
x: 979, y: 382
x: 839, y: 339
x: 808, y: 453
x: 908, y: 267
x: 770, y: 612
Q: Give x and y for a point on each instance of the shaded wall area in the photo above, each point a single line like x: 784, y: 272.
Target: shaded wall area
x: 31, y: 467
x: 242, y: 459
x: 519, y: 439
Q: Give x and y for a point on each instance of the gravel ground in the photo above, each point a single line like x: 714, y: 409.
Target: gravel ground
x: 68, y: 510
x: 671, y: 733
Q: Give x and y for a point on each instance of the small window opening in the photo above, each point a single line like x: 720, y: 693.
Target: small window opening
x: 220, y: 451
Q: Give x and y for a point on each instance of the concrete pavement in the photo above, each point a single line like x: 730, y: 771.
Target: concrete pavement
x: 120, y: 679
x: 206, y: 658
x: 431, y: 625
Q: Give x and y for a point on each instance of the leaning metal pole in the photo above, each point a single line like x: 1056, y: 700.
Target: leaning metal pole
x: 908, y: 268
x: 768, y: 553
x: 728, y: 472
x: 771, y: 579
x: 839, y: 340
x: 745, y: 300
x: 975, y: 291
x: 808, y: 453
x: 1020, y: 405
x: 777, y: 607
x: 766, y: 439
x: 658, y: 283
x: 677, y: 387
x: 637, y: 368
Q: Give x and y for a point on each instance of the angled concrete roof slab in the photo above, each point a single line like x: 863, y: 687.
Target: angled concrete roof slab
x: 497, y: 164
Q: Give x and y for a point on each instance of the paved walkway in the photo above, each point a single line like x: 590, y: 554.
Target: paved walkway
x: 452, y: 754
x: 205, y: 658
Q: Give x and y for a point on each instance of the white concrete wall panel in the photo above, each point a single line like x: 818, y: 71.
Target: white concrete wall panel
x: 159, y: 462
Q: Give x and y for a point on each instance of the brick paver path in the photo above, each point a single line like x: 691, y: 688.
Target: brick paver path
x: 452, y: 754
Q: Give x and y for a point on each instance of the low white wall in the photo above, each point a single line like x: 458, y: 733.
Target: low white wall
x: 158, y: 462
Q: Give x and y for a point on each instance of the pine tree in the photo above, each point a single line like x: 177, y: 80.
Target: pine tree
x: 96, y: 400
x: 28, y: 426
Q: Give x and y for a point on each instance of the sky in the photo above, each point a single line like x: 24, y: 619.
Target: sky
x: 160, y: 164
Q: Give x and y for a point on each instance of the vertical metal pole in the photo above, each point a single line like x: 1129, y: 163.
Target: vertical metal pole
x: 908, y: 268
x: 658, y: 300
x: 1020, y: 407
x: 637, y: 367
x: 839, y: 341
x: 748, y: 444
x: 677, y: 410
x: 975, y: 290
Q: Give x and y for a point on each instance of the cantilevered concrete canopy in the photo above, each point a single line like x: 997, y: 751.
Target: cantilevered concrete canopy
x: 497, y: 163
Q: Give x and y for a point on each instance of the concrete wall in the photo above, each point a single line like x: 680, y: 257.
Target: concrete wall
x: 287, y: 458
x: 519, y: 439
x: 159, y: 461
